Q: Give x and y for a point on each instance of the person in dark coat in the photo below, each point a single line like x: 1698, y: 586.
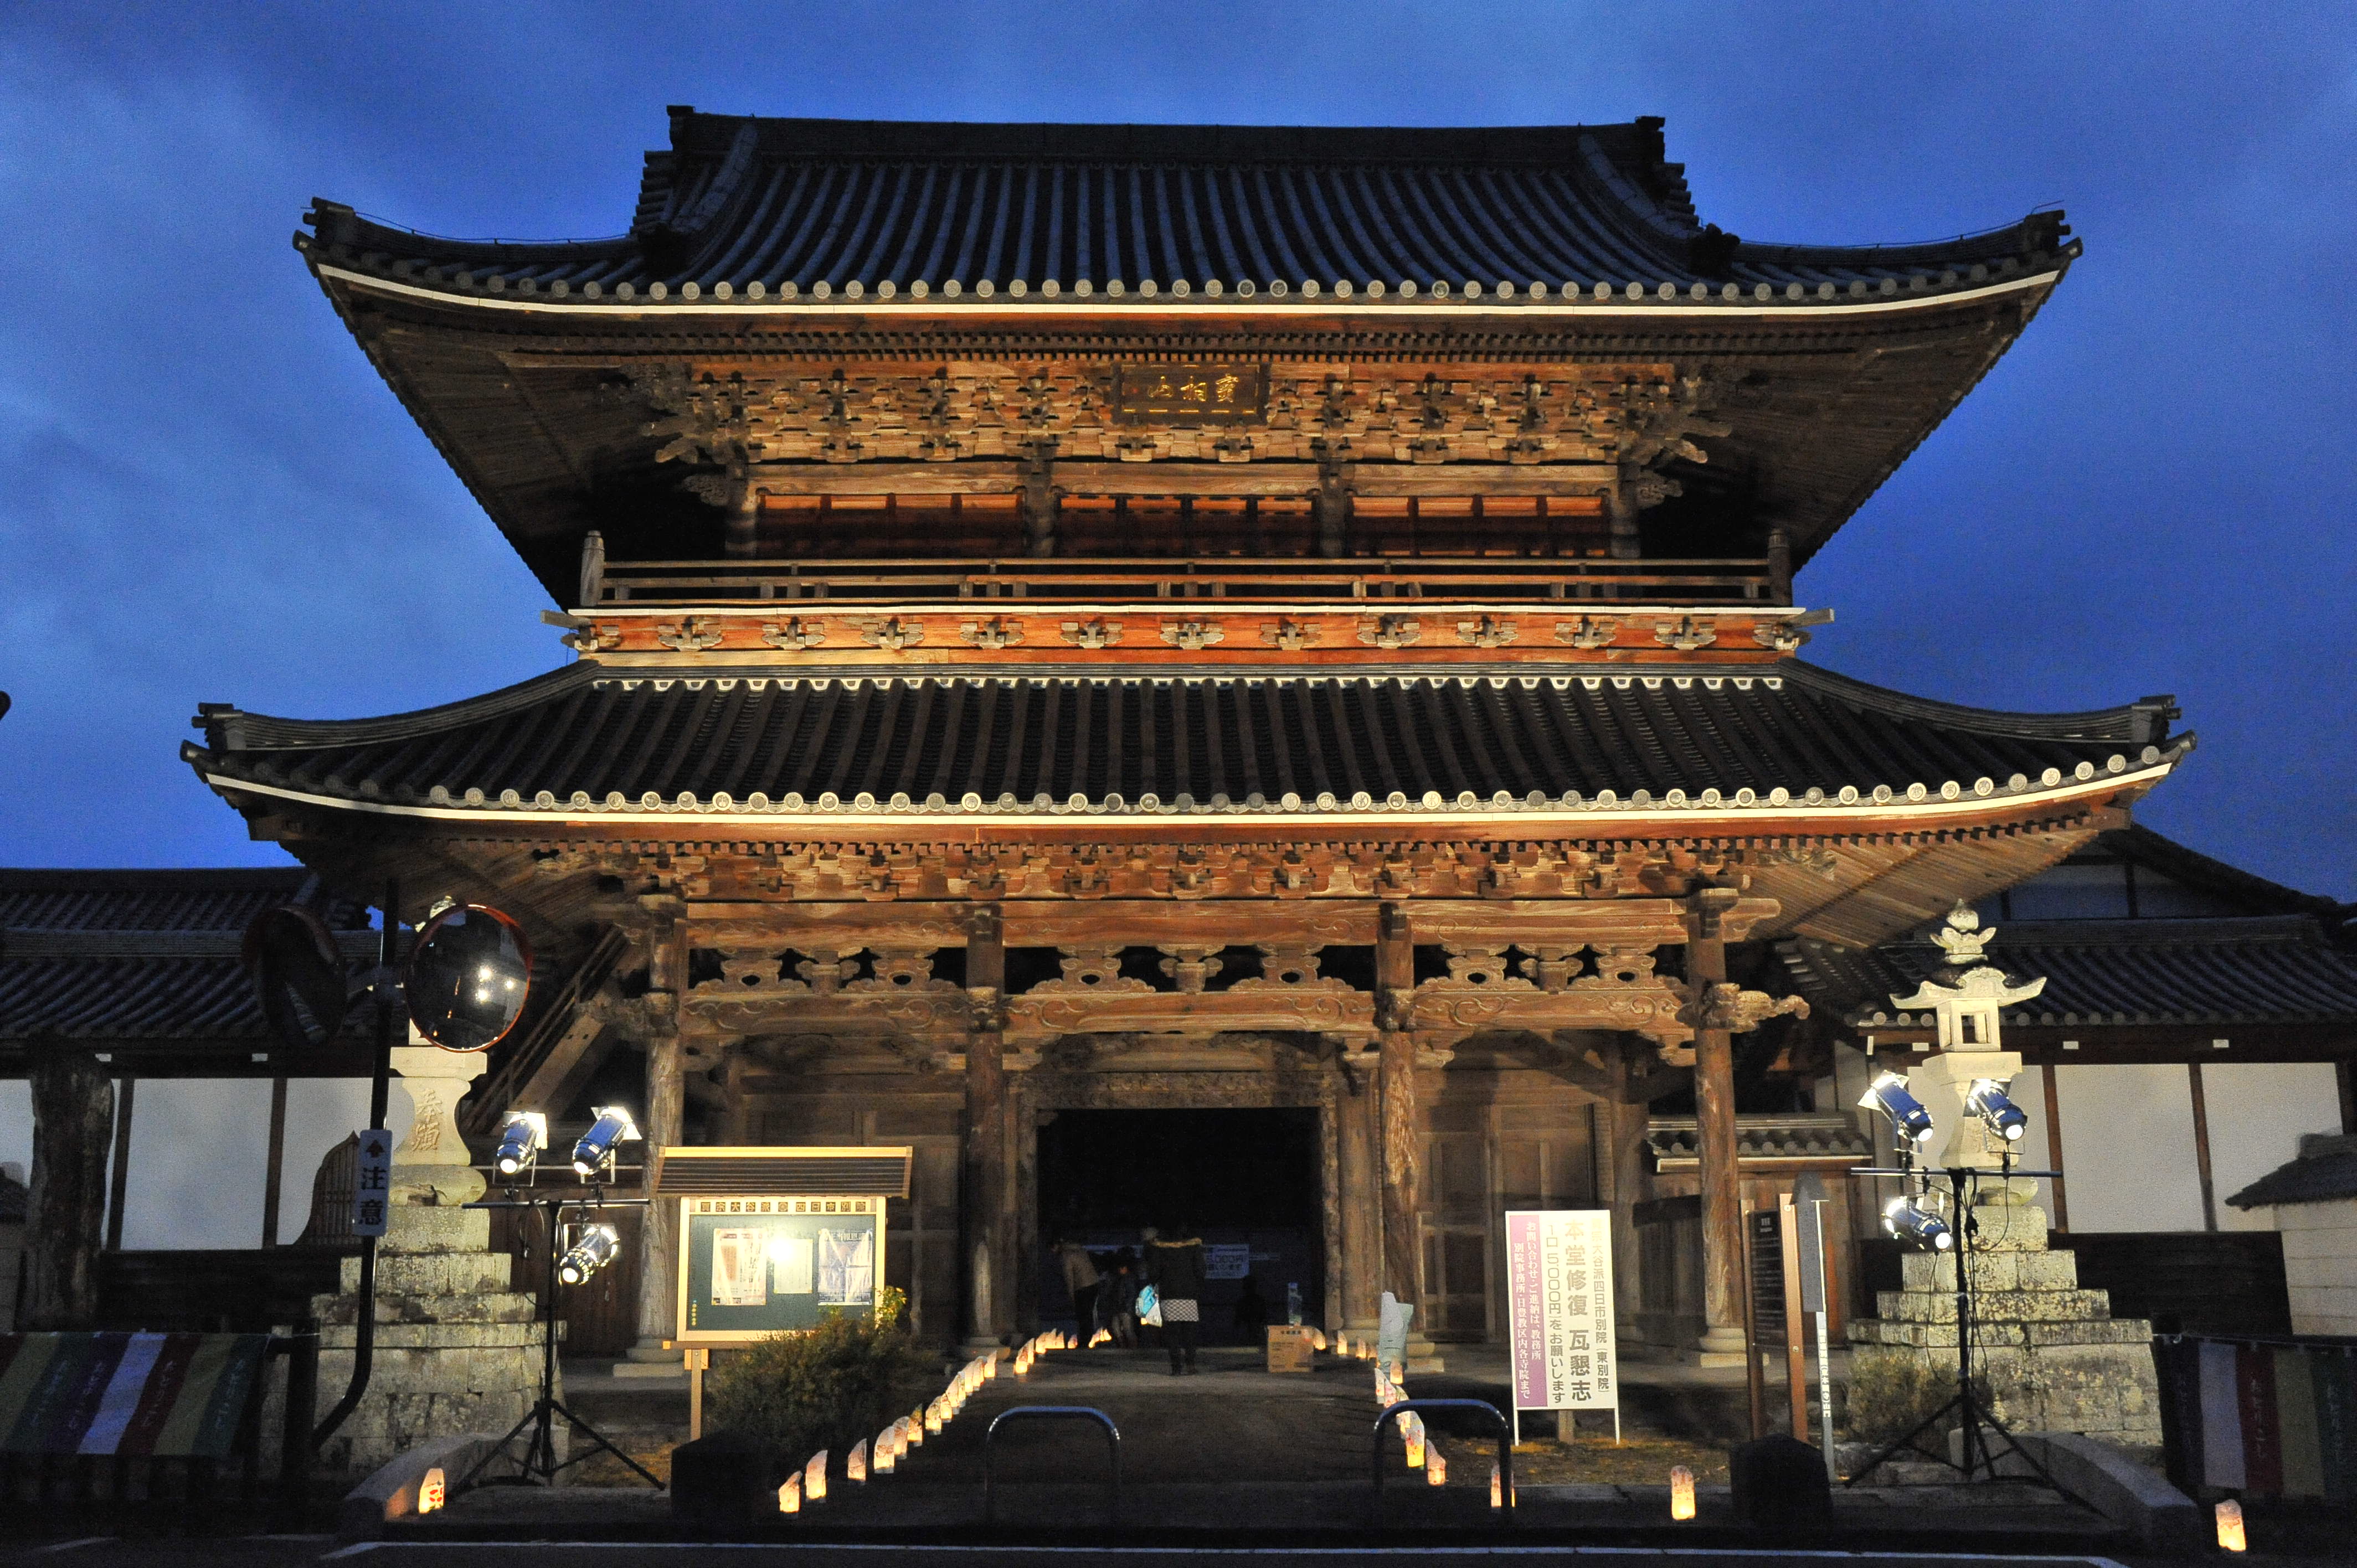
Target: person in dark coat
x: 1174, y: 1267
x: 1117, y: 1303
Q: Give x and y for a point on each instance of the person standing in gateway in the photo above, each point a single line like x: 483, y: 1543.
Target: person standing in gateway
x: 1175, y: 1269
x: 1080, y: 1279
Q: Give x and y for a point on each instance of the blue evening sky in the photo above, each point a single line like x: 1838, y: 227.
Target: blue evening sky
x: 207, y: 494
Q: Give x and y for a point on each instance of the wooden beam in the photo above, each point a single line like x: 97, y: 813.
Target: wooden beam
x: 1187, y: 478
x: 969, y: 479
x: 1479, y: 479
x: 119, y: 1184
x: 2202, y: 1145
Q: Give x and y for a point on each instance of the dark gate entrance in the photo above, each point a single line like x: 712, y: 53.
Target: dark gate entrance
x: 1247, y: 1182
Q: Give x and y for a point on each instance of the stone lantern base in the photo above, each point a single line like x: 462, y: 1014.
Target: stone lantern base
x: 2052, y: 1356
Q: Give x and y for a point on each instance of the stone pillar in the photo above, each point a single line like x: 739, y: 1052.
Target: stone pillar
x: 73, y: 1122
x: 987, y: 1183
x: 458, y: 1350
x: 663, y: 1122
x: 1723, y: 1339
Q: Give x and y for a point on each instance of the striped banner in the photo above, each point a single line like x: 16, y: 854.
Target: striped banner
x: 177, y: 1395
x: 2274, y: 1418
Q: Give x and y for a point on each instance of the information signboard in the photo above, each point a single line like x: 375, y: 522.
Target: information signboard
x: 754, y: 1266
x: 1559, y: 1297
x: 373, y: 1182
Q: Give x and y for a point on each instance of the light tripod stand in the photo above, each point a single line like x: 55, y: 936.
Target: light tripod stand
x: 1974, y: 1416
x: 540, y: 1465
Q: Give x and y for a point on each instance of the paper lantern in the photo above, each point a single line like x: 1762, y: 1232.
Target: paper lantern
x: 2230, y: 1528
x: 1497, y: 1487
x: 815, y: 1477
x: 1411, y: 1427
x: 990, y: 1368
x: 887, y: 1452
x: 1317, y: 1339
x: 433, y: 1490
x: 1682, y: 1499
x: 934, y: 1418
x: 1103, y: 1336
x: 789, y: 1495
x: 855, y: 1464
x: 915, y: 1430
x: 1436, y: 1468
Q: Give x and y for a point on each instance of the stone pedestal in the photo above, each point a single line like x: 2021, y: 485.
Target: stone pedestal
x: 2052, y: 1356
x: 458, y: 1350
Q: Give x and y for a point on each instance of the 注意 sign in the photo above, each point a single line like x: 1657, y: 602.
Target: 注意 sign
x: 1559, y: 1295
x: 1191, y: 394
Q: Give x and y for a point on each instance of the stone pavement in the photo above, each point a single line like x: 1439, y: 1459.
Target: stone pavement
x: 1235, y: 1454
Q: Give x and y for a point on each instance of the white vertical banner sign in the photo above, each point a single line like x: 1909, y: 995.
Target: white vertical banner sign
x: 1559, y: 1304
x: 372, y: 1182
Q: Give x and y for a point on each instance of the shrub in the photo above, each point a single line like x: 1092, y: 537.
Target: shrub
x: 824, y: 1388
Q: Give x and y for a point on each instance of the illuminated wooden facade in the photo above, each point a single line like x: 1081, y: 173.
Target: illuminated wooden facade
x: 1098, y: 617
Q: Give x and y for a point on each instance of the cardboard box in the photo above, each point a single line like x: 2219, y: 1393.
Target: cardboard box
x: 1289, y: 1349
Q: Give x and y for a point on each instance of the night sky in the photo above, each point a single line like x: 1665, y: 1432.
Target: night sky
x: 206, y: 494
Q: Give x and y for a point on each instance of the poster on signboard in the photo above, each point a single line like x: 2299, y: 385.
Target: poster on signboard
x: 1559, y: 1295
x: 752, y: 1266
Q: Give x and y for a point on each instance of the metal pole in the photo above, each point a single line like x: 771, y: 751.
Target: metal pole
x: 380, y: 1099
x: 1825, y: 1394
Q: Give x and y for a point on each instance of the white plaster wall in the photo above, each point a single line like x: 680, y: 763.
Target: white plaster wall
x: 2127, y: 1147
x: 201, y: 1153
x: 2319, y: 1243
x: 2257, y: 1111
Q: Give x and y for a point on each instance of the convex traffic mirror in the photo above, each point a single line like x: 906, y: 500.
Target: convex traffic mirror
x: 467, y: 977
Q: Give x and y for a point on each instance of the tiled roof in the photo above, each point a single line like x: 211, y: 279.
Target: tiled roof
x: 142, y: 955
x: 2274, y: 969
x: 586, y: 740
x: 878, y: 212
x: 2325, y: 1171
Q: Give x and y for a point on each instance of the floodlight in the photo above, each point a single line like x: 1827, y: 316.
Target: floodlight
x: 522, y: 1135
x: 596, y: 1150
x: 594, y: 1248
x: 1987, y: 1100
x: 1888, y: 1095
x: 1908, y: 1221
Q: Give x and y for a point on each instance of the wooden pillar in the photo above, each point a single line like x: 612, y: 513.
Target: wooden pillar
x: 1723, y: 1272
x: 742, y: 536
x: 989, y: 1241
x: 1402, y: 1139
x: 73, y: 1113
x: 665, y: 1123
x: 2200, y: 1146
x: 1333, y: 502
x: 118, y: 1187
x: 1620, y: 1169
x: 1358, y: 1140
x: 1620, y: 511
x: 1037, y: 495
x: 273, y: 1175
x: 1780, y: 565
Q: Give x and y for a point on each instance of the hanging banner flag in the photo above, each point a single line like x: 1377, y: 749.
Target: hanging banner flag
x: 373, y: 1182
x: 1559, y: 1297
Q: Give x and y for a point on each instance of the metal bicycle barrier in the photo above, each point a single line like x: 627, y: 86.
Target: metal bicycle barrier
x: 1050, y: 1412
x: 1505, y: 1445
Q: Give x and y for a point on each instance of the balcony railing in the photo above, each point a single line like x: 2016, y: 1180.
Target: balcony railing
x: 1291, y: 581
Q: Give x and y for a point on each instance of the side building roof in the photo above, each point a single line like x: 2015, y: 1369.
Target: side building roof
x: 147, y: 962
x: 2264, y: 954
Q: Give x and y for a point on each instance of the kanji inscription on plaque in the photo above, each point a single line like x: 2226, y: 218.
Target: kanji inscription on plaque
x: 1191, y: 394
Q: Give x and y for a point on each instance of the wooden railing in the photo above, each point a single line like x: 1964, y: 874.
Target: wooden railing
x: 617, y: 583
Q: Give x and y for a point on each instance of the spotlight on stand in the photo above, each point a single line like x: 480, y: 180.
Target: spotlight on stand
x: 522, y: 1135
x: 1987, y: 1100
x: 592, y: 1249
x: 1888, y: 1095
x: 1910, y: 1222
x: 593, y: 1156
